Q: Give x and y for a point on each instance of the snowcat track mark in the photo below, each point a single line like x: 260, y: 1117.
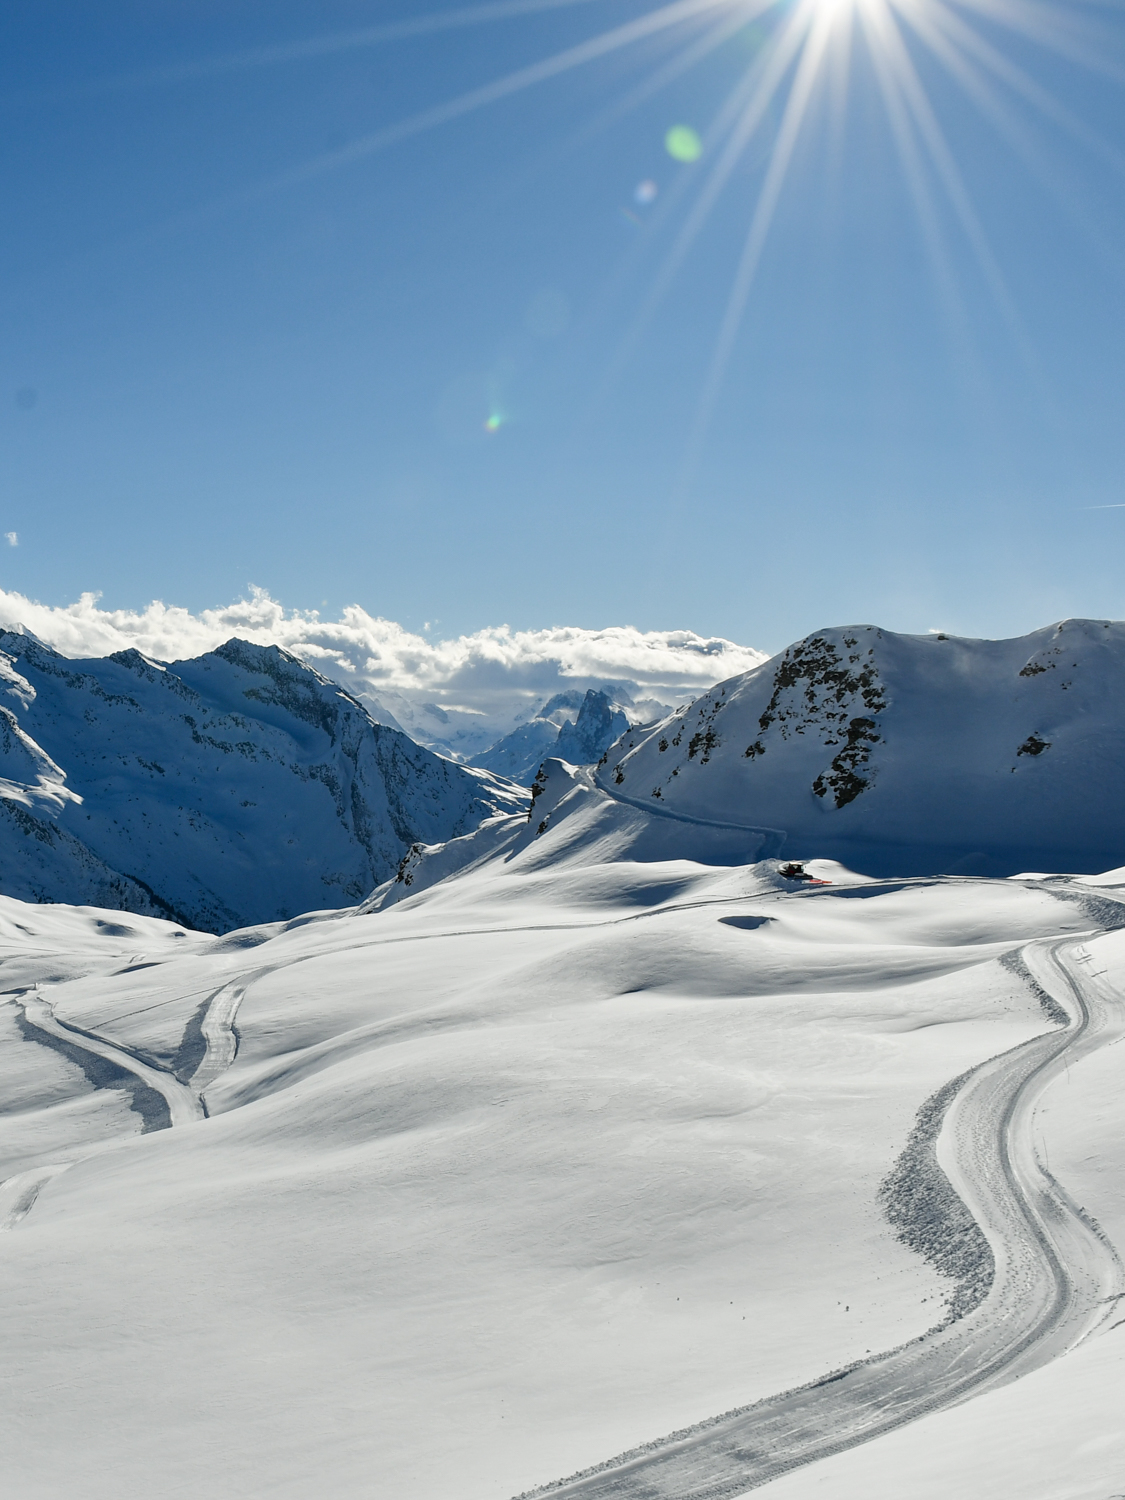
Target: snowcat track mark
x: 1060, y: 1279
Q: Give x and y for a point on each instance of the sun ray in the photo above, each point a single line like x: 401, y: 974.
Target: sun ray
x: 917, y: 179
x: 672, y: 198
x: 839, y: 78
x: 742, y: 122
x: 742, y: 116
x: 311, y: 48
x: 796, y: 108
x: 1051, y: 28
x: 974, y: 80
x: 917, y: 101
x: 723, y: 30
x: 809, y: 65
x: 806, y: 55
x: 955, y: 42
x: 678, y: 13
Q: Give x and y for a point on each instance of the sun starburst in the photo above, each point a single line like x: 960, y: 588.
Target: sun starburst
x: 806, y: 49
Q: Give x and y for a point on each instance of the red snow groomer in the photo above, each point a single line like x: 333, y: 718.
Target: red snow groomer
x: 796, y: 871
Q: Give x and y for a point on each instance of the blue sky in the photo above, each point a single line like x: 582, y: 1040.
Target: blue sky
x: 418, y: 378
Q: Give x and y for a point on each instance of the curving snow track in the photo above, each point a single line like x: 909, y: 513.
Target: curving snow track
x: 1057, y: 1278
x: 183, y: 1104
x: 184, y: 1101
x: 219, y: 1033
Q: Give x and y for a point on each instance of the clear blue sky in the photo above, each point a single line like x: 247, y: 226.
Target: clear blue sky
x: 230, y: 356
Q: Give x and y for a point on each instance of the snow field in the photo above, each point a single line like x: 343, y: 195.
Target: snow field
x: 1055, y: 1434
x: 532, y: 1167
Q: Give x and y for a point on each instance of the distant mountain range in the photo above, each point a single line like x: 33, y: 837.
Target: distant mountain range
x: 577, y: 727
x: 892, y: 754
x: 242, y: 787
x: 456, y: 695
x: 235, y: 788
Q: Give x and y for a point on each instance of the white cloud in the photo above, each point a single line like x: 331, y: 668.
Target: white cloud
x: 12, y: 538
x: 493, y: 677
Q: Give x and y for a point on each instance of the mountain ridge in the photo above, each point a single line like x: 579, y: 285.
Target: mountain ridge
x: 905, y: 754
x: 228, y: 789
x: 601, y: 719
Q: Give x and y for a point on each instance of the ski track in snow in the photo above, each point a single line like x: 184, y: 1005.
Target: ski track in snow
x: 183, y: 1105
x: 1057, y: 1280
x: 185, y: 1101
x: 1057, y: 1277
x: 219, y: 1033
x: 18, y: 1193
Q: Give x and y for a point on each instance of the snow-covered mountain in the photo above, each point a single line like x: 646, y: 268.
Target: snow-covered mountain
x: 900, y: 754
x: 507, y: 728
x: 518, y: 753
x: 234, y: 788
x: 458, y: 695
x: 572, y: 726
x: 637, y: 1156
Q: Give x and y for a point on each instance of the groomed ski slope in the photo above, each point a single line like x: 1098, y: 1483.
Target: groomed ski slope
x: 1058, y: 1279
x: 534, y: 1168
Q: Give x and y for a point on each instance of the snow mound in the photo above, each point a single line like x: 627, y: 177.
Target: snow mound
x: 573, y: 823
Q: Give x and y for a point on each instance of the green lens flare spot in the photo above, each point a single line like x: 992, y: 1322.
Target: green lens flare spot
x: 494, y: 423
x: 683, y: 144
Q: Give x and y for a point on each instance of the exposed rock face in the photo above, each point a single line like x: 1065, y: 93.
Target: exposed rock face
x: 599, y: 725
x: 555, y: 731
x: 907, y: 754
x: 235, y: 788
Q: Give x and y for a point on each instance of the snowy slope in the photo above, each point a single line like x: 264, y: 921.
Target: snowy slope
x: 902, y: 754
x: 234, y: 788
x: 554, y: 1159
x: 591, y: 1125
x: 519, y: 753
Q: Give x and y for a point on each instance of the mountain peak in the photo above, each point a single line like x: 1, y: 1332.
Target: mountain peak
x: 234, y: 788
x: 907, y: 753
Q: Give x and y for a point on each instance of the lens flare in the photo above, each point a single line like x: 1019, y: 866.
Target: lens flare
x: 683, y: 144
x: 794, y: 70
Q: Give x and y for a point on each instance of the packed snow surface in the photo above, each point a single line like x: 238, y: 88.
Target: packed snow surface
x: 561, y: 1144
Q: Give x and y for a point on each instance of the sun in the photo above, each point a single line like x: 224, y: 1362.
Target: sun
x: 802, y: 51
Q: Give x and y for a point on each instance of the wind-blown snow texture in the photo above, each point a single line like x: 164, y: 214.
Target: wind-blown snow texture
x: 232, y: 789
x: 907, y: 754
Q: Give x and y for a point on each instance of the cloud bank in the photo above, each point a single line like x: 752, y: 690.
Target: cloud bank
x: 457, y: 694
